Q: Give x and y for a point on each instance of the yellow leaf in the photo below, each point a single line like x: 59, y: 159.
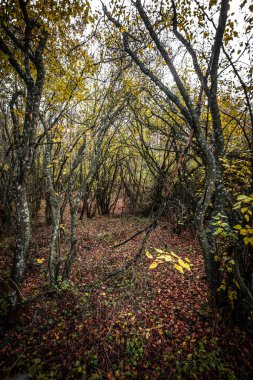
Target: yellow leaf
x: 216, y: 258
x: 236, y: 283
x: 179, y: 268
x: 153, y: 265
x: 237, y: 227
x: 246, y: 217
x: 173, y: 254
x: 40, y: 261
x: 6, y: 167
x: 166, y: 257
x: 183, y: 264
x: 241, y: 197
x: 232, y: 295
x: 222, y: 287
x: 148, y: 254
x: 122, y: 29
x: 159, y: 250
x: 244, y: 209
x: 246, y: 240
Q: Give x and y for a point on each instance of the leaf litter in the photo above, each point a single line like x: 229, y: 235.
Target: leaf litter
x: 143, y: 323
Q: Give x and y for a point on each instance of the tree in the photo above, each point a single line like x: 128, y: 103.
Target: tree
x: 23, y: 44
x: 153, y: 30
x: 24, y: 34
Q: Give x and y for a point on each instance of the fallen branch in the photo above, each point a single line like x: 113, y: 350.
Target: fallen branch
x: 36, y: 296
x: 17, y: 288
x: 132, y: 237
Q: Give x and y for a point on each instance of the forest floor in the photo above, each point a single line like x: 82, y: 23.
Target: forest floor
x: 141, y: 324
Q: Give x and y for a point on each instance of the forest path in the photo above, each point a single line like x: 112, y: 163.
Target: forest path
x: 144, y: 324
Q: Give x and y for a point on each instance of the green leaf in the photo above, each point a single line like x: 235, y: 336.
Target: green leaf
x: 218, y: 231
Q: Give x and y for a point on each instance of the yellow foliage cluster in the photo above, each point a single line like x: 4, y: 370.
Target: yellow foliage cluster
x: 168, y: 257
x: 245, y: 205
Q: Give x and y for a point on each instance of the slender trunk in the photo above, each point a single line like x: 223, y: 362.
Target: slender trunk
x: 72, y: 253
x: 204, y: 237
x: 54, y: 254
x: 23, y: 239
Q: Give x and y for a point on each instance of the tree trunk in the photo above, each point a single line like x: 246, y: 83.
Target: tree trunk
x: 23, y: 239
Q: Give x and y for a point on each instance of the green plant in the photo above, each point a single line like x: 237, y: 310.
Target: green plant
x: 134, y: 349
x: 244, y: 229
x: 35, y: 370
x: 79, y: 371
x: 203, y: 361
x: 105, y: 237
x: 223, y: 228
x: 62, y: 284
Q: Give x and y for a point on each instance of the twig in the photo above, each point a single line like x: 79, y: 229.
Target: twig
x: 132, y: 237
x: 34, y: 298
x: 17, y: 288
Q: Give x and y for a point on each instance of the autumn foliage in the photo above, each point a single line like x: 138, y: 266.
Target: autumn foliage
x: 126, y: 189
